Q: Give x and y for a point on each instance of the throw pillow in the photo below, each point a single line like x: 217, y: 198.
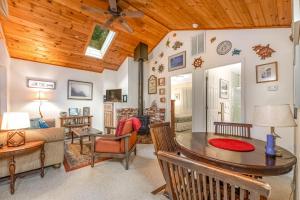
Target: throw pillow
x: 43, y: 124
x: 120, y: 126
x: 136, y: 124
x: 127, y: 127
x: 34, y: 123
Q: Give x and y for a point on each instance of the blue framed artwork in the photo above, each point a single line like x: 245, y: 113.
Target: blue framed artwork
x: 177, y: 61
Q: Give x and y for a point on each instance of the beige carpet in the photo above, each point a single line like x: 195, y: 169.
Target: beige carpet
x: 108, y: 180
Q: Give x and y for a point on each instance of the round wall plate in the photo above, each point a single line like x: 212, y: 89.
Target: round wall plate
x: 224, y: 47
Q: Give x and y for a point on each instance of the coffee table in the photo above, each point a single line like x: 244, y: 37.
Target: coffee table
x: 85, y: 132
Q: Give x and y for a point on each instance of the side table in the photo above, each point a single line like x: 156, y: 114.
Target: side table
x: 11, y: 152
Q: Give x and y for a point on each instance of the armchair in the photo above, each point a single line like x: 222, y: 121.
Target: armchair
x: 119, y: 145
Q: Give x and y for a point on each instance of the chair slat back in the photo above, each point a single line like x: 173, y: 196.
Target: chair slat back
x: 162, y: 137
x: 188, y: 179
x: 233, y: 129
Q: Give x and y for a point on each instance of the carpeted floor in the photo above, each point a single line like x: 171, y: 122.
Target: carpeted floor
x: 108, y: 180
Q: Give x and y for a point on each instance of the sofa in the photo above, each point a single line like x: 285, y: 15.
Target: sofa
x: 54, y: 149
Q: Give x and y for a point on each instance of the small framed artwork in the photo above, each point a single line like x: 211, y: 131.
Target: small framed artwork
x: 152, y: 85
x: 86, y: 111
x: 73, y: 111
x: 224, y: 89
x: 80, y: 90
x: 161, y: 81
x: 162, y: 91
x: 177, y: 61
x: 267, y: 72
x: 124, y: 98
x: 41, y: 84
x: 163, y: 100
x: 104, y: 98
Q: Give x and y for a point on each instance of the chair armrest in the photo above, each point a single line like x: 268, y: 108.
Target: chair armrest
x: 113, y: 137
x: 109, y: 129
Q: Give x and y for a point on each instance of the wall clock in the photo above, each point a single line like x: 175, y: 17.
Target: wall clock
x: 224, y: 47
x: 152, y: 85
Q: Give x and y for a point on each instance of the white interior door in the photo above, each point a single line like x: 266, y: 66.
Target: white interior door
x: 223, y: 95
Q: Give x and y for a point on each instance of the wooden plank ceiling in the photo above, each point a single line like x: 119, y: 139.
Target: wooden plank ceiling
x: 57, y: 31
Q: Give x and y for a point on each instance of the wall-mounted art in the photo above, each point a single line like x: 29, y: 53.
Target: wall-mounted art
x: 177, y: 61
x: 263, y: 51
x: 155, y: 62
x: 41, y: 84
x: 86, y: 111
x: 177, y: 45
x: 174, y: 34
x: 223, y: 89
x: 161, y: 68
x: 161, y: 81
x: 267, y: 72
x: 212, y: 40
x: 168, y: 42
x: 163, y: 100
x: 224, y: 47
x: 198, y: 62
x: 153, y: 69
x: 80, y: 90
x: 236, y: 52
x: 124, y: 98
x: 162, y: 91
x: 161, y: 54
x: 152, y: 85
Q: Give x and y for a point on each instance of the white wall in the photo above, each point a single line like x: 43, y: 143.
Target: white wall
x: 255, y: 94
x: 22, y: 97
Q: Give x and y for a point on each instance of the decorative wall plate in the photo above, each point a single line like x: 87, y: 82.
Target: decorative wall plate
x: 153, y: 69
x: 263, y: 51
x: 177, y: 45
x: 198, y: 62
x: 236, y: 52
x: 224, y: 47
x: 161, y: 68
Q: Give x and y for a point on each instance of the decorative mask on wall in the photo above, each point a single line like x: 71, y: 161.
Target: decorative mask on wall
x: 155, y: 62
x: 161, y: 68
x: 168, y: 42
x: 263, y: 51
x: 174, y: 34
x: 198, y: 62
x: 236, y: 52
x: 153, y: 69
x: 213, y: 39
x: 177, y: 45
x: 161, y: 54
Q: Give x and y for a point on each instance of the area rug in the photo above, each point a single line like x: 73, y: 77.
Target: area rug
x: 144, y: 139
x: 74, y: 160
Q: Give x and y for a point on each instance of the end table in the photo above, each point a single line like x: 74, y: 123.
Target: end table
x: 11, y: 152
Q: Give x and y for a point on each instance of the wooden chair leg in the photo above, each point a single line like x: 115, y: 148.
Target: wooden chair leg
x: 159, y: 189
x: 126, y: 154
x: 135, y: 150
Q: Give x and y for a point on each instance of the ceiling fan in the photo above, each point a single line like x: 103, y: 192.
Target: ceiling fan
x: 116, y: 14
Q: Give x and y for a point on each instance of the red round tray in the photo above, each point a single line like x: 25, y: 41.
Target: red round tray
x: 231, y: 144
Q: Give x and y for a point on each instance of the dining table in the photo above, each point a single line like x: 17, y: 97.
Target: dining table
x: 196, y: 146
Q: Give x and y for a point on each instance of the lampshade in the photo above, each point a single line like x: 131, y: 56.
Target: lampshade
x: 15, y: 120
x: 273, y: 116
x: 40, y: 96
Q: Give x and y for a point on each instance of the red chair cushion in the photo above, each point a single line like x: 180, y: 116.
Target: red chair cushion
x: 120, y: 126
x: 127, y: 128
x: 136, y: 124
x: 108, y: 146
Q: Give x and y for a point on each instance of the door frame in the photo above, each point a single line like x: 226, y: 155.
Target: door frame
x: 243, y: 92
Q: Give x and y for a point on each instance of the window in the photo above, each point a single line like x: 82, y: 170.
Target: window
x: 100, y: 42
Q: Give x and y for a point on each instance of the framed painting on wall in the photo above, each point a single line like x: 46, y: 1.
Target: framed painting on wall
x: 224, y: 89
x: 152, y: 85
x: 161, y: 81
x: 177, y: 61
x: 162, y: 91
x: 80, y: 90
x: 41, y: 84
x: 267, y: 72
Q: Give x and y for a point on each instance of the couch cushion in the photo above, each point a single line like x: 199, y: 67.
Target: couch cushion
x: 132, y: 141
x: 43, y: 124
x: 108, y: 146
x: 34, y: 123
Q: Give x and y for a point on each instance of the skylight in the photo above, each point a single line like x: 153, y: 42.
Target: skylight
x: 100, y: 42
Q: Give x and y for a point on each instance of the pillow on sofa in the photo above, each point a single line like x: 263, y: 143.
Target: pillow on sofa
x: 120, y: 126
x: 127, y: 127
x: 43, y: 124
x: 34, y: 123
x: 136, y: 124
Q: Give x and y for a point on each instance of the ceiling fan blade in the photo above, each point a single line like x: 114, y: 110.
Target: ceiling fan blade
x: 125, y: 25
x: 113, y: 5
x: 94, y: 10
x: 109, y: 22
x: 135, y: 14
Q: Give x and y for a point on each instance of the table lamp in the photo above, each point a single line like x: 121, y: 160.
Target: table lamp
x: 273, y: 116
x: 14, y: 122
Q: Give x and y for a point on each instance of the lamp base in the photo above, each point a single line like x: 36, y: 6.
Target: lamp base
x: 15, y: 138
x: 270, y: 147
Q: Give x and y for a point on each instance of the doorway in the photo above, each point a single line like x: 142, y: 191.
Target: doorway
x: 224, y: 95
x: 182, y: 93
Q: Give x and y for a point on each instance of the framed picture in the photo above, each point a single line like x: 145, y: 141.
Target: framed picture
x: 152, y: 85
x: 73, y: 111
x: 177, y: 61
x: 41, y: 84
x: 104, y: 98
x: 163, y: 100
x: 224, y: 89
x: 162, y: 91
x: 267, y: 72
x: 124, y: 98
x: 161, y: 81
x: 86, y: 111
x: 80, y: 90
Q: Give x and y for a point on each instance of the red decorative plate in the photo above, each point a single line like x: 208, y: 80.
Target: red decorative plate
x: 231, y: 144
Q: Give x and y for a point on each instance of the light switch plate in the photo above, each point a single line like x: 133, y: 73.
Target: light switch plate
x: 273, y: 88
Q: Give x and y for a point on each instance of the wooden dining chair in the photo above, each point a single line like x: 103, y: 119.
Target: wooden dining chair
x: 188, y: 179
x: 163, y: 140
x: 233, y: 129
